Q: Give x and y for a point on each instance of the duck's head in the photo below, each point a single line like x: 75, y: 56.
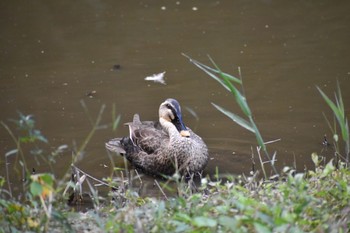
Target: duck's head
x: 170, y: 111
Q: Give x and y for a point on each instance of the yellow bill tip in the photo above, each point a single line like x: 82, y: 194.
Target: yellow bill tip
x: 185, y: 133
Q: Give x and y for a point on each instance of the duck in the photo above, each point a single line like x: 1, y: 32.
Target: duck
x: 164, y: 147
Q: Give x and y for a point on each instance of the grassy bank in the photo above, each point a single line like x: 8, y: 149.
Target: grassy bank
x: 316, y: 201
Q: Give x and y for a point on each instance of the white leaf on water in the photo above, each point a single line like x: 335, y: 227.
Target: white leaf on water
x: 158, y: 78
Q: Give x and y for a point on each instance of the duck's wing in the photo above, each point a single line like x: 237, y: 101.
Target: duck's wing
x: 146, y: 135
x: 148, y: 139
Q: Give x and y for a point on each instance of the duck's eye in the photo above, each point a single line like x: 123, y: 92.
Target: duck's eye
x: 168, y: 105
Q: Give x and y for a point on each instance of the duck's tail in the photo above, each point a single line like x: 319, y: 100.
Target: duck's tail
x: 115, y: 145
x: 122, y: 146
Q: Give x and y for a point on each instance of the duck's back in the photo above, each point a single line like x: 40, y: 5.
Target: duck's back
x: 147, y: 136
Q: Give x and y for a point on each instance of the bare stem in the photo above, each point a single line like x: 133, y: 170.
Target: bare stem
x: 93, y: 178
x: 161, y: 190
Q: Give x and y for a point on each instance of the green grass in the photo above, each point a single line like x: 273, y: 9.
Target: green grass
x: 317, y: 201
x: 314, y: 201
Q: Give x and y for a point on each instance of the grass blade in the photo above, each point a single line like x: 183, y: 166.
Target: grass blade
x: 340, y: 104
x: 226, y: 75
x: 209, y: 69
x: 210, y: 74
x: 259, y: 138
x: 240, y: 99
x: 239, y: 120
x: 337, y: 112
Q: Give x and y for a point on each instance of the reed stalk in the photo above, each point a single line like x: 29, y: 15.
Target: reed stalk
x: 230, y: 83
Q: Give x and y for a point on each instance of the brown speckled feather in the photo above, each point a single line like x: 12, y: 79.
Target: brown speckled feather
x: 147, y: 135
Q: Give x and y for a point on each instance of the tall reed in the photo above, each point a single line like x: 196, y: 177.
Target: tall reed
x: 338, y: 110
x: 230, y: 83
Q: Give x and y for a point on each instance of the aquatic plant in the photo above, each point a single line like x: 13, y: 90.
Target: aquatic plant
x: 338, y: 110
x: 229, y: 82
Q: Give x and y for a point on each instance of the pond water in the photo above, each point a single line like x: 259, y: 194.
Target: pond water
x: 53, y: 54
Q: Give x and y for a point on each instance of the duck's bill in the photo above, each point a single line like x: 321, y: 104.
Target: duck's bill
x: 185, y: 133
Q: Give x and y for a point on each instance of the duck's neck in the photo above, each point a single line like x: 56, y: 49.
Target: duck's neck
x: 170, y: 128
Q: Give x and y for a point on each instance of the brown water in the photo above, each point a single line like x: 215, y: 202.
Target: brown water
x: 53, y: 53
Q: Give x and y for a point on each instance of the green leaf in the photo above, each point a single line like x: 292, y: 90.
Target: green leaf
x: 338, y: 114
x: 228, y: 222
x: 208, y: 69
x: 182, y: 217
x: 48, y: 179
x: 231, y: 78
x: 118, y: 169
x: 180, y: 226
x: 329, y: 102
x: 240, y: 99
x: 211, y: 75
x: 261, y: 228
x: 239, y: 120
x: 340, y: 102
x: 204, y: 222
x: 258, y: 136
x: 36, y: 188
x: 227, y: 76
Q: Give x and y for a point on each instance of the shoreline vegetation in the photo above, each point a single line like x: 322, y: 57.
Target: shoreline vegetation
x: 286, y: 201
